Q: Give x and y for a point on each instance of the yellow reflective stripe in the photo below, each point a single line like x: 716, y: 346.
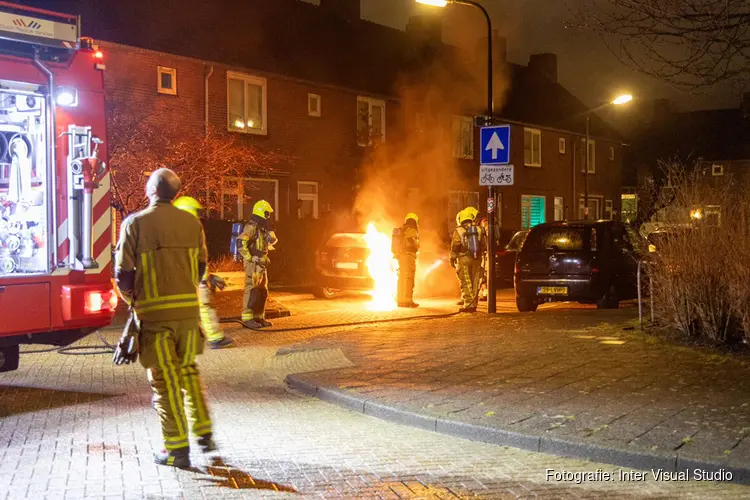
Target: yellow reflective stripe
x: 146, y: 276
x: 161, y: 307
x: 203, y: 422
x: 165, y: 298
x: 152, y: 262
x: 174, y: 393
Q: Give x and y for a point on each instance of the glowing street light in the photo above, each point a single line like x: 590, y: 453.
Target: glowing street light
x: 434, y: 3
x: 622, y: 99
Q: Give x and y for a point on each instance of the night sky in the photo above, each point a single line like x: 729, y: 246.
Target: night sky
x: 585, y: 65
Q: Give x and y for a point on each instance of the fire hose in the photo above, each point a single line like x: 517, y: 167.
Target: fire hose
x: 107, y: 348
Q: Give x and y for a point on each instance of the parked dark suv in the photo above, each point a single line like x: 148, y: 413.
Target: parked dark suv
x: 585, y: 261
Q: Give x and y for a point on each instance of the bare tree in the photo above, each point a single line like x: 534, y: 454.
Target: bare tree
x: 138, y: 147
x: 691, y: 44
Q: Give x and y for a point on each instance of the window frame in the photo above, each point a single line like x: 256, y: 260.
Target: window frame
x: 535, y: 133
x: 165, y: 70
x: 717, y: 170
x: 239, y: 194
x: 611, y: 153
x: 544, y: 209
x: 591, y: 167
x: 371, y: 101
x: 561, y: 145
x: 560, y: 206
x: 314, y: 97
x: 252, y: 80
x: 459, y: 121
x: 315, y: 198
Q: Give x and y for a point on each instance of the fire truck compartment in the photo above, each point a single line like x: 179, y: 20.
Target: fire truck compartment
x: 26, y: 308
x: 24, y: 189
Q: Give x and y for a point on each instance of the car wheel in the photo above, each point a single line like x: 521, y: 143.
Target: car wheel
x: 323, y: 292
x: 525, y: 304
x: 609, y: 300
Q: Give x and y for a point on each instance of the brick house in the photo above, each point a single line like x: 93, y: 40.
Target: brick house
x: 347, y: 101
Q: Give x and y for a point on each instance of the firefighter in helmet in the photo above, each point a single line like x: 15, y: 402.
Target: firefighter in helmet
x: 159, y: 260
x: 407, y: 260
x: 467, y: 246
x: 256, y: 240
x: 209, y: 284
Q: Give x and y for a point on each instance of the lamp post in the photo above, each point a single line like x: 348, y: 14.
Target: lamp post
x: 491, y: 293
x: 621, y: 99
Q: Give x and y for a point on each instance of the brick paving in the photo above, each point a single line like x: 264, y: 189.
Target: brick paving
x: 79, y: 427
x: 556, y: 376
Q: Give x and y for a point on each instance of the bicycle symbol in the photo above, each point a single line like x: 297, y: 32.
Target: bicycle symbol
x: 488, y: 178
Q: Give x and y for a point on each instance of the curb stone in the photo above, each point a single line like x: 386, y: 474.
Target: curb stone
x: 542, y: 444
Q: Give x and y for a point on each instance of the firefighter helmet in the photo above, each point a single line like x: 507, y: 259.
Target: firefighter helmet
x: 458, y: 217
x: 471, y: 213
x: 188, y: 204
x: 263, y: 209
x: 412, y: 216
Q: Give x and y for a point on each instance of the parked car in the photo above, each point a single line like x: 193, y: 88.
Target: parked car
x: 505, y: 258
x: 342, y: 265
x: 584, y: 261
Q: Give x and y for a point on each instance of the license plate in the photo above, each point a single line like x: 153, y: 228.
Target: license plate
x: 347, y: 265
x: 552, y: 290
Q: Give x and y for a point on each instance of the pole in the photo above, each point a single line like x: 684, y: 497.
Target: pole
x: 586, y: 170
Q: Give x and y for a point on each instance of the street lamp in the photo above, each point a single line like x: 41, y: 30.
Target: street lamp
x: 491, y: 295
x: 617, y: 101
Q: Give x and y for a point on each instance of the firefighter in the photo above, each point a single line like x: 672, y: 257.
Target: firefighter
x: 209, y: 283
x: 255, y: 241
x: 159, y: 260
x: 407, y: 261
x: 466, y: 257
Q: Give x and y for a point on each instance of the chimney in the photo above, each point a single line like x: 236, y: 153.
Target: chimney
x: 349, y: 10
x: 745, y: 104
x: 426, y: 29
x: 544, y: 65
x: 499, y: 50
x: 662, y: 110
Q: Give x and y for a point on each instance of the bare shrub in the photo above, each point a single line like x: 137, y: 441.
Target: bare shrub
x: 701, y: 267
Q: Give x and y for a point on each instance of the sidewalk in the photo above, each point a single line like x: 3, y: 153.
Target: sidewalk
x: 566, y: 382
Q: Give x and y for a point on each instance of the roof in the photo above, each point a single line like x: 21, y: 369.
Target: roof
x: 299, y: 39
x: 712, y: 135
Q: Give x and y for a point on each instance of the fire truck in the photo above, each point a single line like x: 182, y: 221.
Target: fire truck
x: 55, y: 219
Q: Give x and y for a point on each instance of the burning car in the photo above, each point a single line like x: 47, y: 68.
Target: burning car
x: 363, y: 262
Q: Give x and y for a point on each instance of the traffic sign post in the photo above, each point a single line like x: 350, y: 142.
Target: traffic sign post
x: 494, y: 153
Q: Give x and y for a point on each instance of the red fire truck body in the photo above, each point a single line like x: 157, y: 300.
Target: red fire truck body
x: 55, y: 218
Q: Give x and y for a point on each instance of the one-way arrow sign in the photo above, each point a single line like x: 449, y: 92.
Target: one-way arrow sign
x: 495, y: 145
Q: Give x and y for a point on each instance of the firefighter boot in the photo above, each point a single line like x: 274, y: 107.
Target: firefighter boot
x: 263, y: 322
x: 179, y: 458
x: 207, y: 443
x: 224, y: 341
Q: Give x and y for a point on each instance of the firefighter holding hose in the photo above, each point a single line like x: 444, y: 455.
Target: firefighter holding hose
x: 467, y: 246
x: 159, y: 260
x: 209, y: 284
x: 406, y: 252
x: 256, y: 240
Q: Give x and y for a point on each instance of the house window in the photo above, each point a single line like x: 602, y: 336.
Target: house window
x: 313, y: 105
x: 246, y: 104
x: 717, y: 170
x: 592, y: 156
x: 166, y: 80
x: 532, y: 211
x: 370, y: 121
x: 629, y: 208
x: 307, y: 200
x: 595, y: 208
x: 559, y: 208
x: 532, y: 147
x: 608, y: 209
x: 713, y: 215
x: 561, y: 145
x: 239, y: 194
x: 463, y: 137
x: 457, y: 201
x: 611, y: 153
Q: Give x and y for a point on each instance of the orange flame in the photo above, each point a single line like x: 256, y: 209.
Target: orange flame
x: 383, y: 270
